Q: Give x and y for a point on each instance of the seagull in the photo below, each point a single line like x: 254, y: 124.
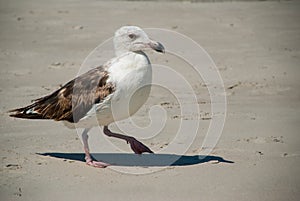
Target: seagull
x: 108, y: 93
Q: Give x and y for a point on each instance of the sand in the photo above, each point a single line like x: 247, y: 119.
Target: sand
x: 255, y: 46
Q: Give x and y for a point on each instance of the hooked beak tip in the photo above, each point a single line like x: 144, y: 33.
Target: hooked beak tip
x: 157, y: 46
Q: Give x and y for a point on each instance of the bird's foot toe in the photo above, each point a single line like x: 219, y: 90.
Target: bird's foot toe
x: 97, y: 164
x: 137, y: 146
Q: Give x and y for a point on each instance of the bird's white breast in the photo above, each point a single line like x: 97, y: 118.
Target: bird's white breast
x: 131, y: 73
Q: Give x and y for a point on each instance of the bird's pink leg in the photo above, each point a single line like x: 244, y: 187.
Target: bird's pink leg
x: 135, y: 145
x: 88, y: 159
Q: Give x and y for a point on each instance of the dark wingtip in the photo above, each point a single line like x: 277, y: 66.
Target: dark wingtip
x: 23, y: 115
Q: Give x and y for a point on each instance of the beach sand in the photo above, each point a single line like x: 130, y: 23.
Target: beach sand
x: 255, y: 46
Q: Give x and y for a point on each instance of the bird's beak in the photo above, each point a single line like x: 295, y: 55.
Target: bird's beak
x: 157, y: 46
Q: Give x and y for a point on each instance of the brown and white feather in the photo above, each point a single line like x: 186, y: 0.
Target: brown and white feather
x: 73, y: 100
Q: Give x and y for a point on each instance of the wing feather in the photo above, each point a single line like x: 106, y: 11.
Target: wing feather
x: 73, y: 100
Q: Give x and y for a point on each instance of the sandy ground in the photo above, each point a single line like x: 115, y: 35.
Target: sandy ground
x: 256, y: 48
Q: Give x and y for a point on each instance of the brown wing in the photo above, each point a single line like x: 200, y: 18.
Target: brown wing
x: 72, y: 101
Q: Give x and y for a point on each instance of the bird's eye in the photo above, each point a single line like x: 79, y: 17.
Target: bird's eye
x: 132, y: 36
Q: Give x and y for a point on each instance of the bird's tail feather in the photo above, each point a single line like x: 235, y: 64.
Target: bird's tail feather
x: 27, y: 112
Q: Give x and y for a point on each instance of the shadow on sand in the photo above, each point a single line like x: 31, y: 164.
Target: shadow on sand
x: 150, y: 160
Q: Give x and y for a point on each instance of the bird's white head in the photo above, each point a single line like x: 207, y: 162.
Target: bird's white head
x: 134, y: 39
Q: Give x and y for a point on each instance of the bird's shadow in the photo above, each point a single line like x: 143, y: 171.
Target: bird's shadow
x: 149, y: 160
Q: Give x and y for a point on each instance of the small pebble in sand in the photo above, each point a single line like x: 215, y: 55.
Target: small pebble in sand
x: 205, y: 118
x: 277, y: 139
x: 78, y: 27
x: 19, y: 193
x: 13, y: 166
x: 20, y: 18
x: 56, y: 64
x: 235, y: 85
